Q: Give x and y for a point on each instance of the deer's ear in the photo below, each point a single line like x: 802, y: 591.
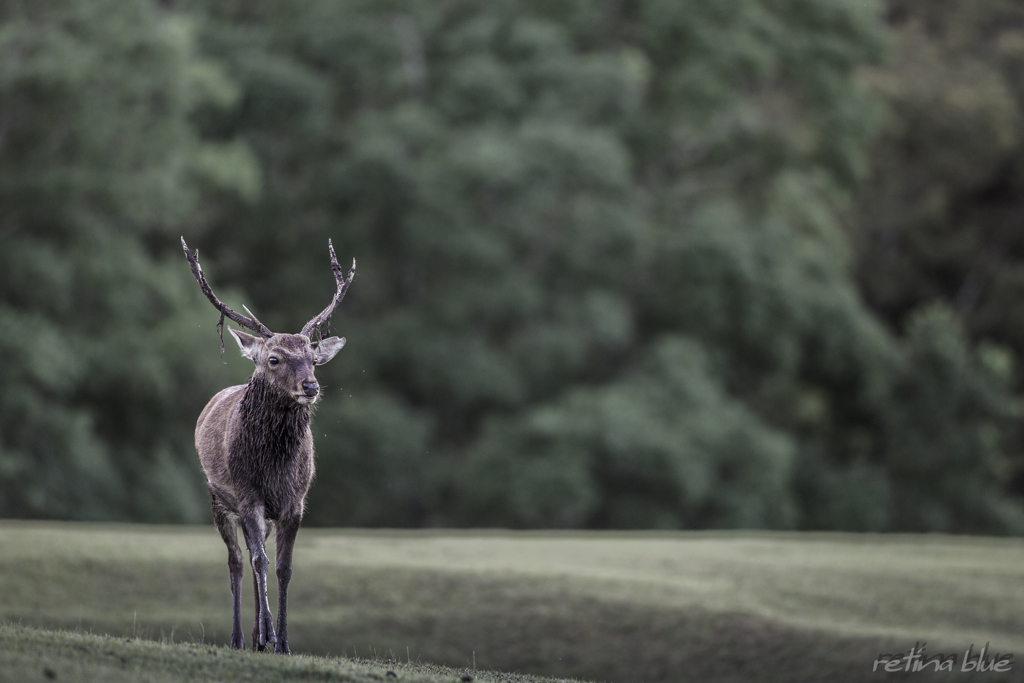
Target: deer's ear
x: 326, y: 349
x: 248, y: 344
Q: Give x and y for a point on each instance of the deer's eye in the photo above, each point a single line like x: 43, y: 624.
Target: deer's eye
x: 273, y: 361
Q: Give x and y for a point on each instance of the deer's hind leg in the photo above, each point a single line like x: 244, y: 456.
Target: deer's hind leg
x: 227, y: 525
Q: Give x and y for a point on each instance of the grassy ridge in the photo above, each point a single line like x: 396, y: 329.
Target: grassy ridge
x: 654, y: 607
x: 33, y: 654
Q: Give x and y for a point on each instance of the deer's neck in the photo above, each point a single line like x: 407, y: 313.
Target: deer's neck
x: 272, y: 426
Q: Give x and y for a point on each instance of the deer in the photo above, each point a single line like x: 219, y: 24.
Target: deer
x: 255, y: 447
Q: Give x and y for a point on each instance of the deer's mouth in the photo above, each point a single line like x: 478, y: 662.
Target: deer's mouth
x: 306, y: 400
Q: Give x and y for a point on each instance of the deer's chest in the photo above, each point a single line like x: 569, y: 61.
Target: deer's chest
x: 273, y: 468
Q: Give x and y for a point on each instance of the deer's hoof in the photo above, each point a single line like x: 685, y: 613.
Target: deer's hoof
x: 266, y: 633
x: 237, y: 641
x: 282, y: 648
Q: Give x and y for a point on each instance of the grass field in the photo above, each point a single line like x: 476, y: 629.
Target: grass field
x: 34, y: 654
x: 615, y: 606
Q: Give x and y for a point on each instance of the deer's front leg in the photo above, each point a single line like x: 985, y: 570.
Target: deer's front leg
x: 254, y: 527
x: 287, y: 530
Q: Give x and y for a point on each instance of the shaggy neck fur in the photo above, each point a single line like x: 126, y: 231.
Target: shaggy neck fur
x: 273, y: 424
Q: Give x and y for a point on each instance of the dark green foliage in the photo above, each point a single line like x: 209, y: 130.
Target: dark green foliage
x: 941, y: 215
x: 662, y: 447
x: 604, y: 282
x: 102, y: 371
x: 603, y: 276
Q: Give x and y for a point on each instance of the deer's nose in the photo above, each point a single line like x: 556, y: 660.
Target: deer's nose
x: 310, y: 388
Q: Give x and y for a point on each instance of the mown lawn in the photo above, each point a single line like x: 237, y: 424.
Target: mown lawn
x: 597, y: 606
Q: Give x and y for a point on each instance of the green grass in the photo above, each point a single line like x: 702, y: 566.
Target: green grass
x: 33, y: 654
x: 614, y: 606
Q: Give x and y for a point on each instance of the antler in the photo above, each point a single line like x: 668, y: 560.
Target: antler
x: 197, y: 270
x: 343, y: 282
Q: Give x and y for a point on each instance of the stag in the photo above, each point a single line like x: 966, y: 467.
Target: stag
x: 256, y: 449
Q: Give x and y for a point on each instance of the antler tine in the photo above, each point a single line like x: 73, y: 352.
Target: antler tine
x: 197, y: 270
x: 343, y: 282
x: 253, y: 316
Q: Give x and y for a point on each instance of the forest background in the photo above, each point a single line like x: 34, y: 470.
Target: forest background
x: 622, y: 264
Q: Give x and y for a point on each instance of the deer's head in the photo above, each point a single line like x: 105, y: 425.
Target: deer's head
x: 285, y: 361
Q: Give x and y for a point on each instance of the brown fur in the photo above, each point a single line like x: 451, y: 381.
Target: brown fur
x: 256, y: 448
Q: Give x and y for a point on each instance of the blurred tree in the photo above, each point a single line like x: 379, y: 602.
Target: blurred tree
x: 99, y: 167
x: 603, y: 280
x: 941, y: 217
x: 603, y: 276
